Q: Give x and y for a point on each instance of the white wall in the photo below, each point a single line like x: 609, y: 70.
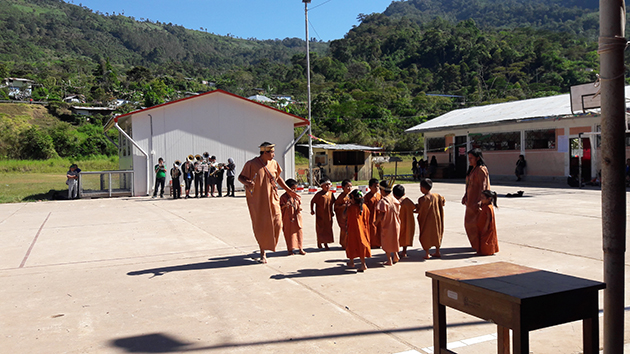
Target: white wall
x: 217, y: 123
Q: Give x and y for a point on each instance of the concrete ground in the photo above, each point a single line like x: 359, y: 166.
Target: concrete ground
x: 142, y: 275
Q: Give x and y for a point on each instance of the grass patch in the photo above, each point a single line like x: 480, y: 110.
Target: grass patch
x: 34, y: 180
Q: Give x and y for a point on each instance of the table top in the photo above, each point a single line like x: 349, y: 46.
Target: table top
x: 513, y: 280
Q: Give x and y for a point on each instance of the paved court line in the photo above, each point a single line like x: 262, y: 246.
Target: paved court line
x: 28, y: 253
x: 15, y: 212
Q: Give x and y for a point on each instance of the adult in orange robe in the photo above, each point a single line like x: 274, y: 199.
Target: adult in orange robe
x: 341, y: 204
x: 407, y: 219
x: 388, y: 210
x: 477, y: 180
x: 371, y: 198
x: 322, y: 207
x: 430, y: 211
x: 259, y: 176
x: 358, y: 244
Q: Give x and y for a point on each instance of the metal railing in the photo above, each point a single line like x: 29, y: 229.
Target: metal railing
x: 100, y: 184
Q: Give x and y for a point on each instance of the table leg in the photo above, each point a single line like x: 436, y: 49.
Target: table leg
x: 590, y: 335
x: 439, y: 320
x: 520, y: 339
x: 503, y: 337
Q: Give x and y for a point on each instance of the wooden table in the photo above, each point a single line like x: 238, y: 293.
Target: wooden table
x: 518, y: 298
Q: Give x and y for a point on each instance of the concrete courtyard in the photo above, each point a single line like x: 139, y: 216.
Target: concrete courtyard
x: 142, y: 275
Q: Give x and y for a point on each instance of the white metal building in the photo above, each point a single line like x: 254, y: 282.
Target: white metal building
x: 217, y: 122
x: 555, y: 140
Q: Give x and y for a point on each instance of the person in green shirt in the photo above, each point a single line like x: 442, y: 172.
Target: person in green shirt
x: 160, y: 177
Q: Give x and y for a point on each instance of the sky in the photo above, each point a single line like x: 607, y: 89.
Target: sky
x: 269, y: 19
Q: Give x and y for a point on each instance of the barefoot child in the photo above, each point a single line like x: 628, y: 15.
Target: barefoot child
x: 358, y: 241
x: 373, y: 196
x: 322, y: 207
x: 407, y: 220
x: 292, y: 219
x: 388, y: 218
x: 430, y: 211
x: 486, y: 226
x: 341, y: 204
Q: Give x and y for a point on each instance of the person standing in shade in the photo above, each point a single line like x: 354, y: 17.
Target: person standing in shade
x: 477, y: 181
x: 230, y: 173
x: 160, y: 178
x: 176, y: 185
x: 188, y: 174
x: 260, y: 176
x: 73, y: 181
x: 520, y: 167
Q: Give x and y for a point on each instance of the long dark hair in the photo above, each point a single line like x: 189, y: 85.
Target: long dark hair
x: 479, y: 155
x: 357, y: 196
x: 492, y: 195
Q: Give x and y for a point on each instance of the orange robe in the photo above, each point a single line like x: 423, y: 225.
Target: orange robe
x: 291, y: 221
x: 370, y: 201
x: 476, y: 182
x: 341, y: 204
x: 487, y: 228
x: 358, y: 245
x: 324, y: 216
x: 407, y: 222
x: 390, y: 224
x: 431, y: 220
x: 263, y: 201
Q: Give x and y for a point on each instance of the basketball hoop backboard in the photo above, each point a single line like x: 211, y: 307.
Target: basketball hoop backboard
x: 585, y: 97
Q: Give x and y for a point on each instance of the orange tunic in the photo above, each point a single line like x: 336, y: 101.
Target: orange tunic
x: 291, y: 221
x: 263, y: 201
x: 476, y: 182
x: 431, y: 220
x: 324, y: 216
x: 390, y: 224
x: 487, y: 228
x: 370, y: 201
x: 341, y: 204
x: 358, y: 245
x: 407, y: 222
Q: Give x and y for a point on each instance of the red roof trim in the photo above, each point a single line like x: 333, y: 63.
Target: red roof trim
x: 303, y: 122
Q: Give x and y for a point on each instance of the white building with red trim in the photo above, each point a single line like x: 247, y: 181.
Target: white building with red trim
x: 217, y: 122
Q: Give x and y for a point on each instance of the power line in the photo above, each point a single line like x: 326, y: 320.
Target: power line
x: 324, y: 3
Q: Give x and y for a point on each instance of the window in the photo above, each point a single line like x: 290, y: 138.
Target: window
x: 320, y: 159
x: 497, y: 141
x: 348, y: 158
x: 540, y: 139
x: 436, y: 144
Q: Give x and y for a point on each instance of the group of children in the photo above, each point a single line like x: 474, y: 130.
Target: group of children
x: 383, y: 218
x: 203, y: 171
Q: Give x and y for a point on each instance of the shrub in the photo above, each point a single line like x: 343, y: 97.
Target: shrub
x: 36, y: 145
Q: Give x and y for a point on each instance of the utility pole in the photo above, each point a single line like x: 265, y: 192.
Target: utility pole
x: 612, y: 15
x: 308, y: 89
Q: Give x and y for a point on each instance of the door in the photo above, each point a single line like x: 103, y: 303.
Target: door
x: 461, y: 157
x: 580, y: 160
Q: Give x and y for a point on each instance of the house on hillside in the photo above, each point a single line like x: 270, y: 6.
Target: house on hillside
x: 217, y: 122
x: 19, y: 88
x: 555, y: 141
x: 342, y: 161
x: 90, y: 111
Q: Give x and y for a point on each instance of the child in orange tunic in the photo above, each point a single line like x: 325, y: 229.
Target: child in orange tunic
x: 358, y: 216
x: 486, y: 226
x: 322, y: 207
x: 430, y: 211
x: 292, y: 219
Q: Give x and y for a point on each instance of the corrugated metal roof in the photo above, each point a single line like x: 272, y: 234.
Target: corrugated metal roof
x: 348, y: 147
x: 298, y: 121
x: 543, y: 107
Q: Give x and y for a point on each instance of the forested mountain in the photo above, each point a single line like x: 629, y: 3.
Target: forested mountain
x: 574, y: 16
x: 387, y: 74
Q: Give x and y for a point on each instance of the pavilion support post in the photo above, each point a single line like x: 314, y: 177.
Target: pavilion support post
x: 611, y: 48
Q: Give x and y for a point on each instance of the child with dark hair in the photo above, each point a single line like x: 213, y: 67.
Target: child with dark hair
x: 322, y: 207
x: 292, y: 219
x: 160, y: 177
x: 341, y: 204
x: 388, y: 217
x: 430, y: 211
x: 358, y: 241
x: 407, y: 221
x: 371, y: 198
x: 488, y: 241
